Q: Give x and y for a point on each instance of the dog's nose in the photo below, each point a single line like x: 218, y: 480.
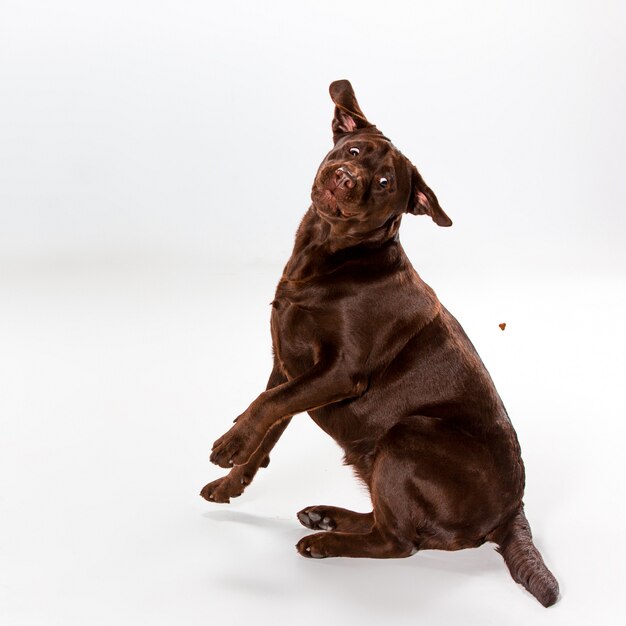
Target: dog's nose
x: 344, y: 178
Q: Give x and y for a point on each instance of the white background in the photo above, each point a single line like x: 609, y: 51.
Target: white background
x: 155, y: 159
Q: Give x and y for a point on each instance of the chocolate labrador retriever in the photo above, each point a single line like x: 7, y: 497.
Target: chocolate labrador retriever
x: 365, y: 346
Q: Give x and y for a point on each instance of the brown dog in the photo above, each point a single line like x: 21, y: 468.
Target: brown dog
x: 363, y: 345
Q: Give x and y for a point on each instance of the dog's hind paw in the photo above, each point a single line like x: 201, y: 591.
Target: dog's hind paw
x: 316, y: 520
x: 312, y: 546
x: 335, y: 518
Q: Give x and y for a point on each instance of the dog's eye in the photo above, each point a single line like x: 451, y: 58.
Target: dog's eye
x: 383, y: 182
x: 354, y: 151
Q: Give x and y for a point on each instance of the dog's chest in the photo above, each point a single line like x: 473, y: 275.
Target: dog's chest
x: 297, y: 325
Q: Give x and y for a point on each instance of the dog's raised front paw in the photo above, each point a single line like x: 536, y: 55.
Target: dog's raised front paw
x: 225, y: 488
x: 232, y: 448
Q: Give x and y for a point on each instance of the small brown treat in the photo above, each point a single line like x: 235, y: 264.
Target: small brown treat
x: 502, y: 326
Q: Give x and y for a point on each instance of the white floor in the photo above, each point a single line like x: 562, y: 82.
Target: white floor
x: 117, y: 377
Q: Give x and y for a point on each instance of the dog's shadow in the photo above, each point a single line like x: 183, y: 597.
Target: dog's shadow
x: 249, y: 519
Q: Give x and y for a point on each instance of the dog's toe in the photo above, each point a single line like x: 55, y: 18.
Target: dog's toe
x: 305, y: 520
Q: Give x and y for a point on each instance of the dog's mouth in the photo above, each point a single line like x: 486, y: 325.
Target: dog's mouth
x: 326, y: 203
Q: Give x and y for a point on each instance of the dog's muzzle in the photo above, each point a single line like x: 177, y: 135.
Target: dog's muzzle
x: 344, y: 179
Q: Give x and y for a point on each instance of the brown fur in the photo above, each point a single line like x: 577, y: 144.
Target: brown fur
x: 365, y: 346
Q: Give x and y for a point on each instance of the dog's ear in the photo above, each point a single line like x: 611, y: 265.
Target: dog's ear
x: 423, y: 200
x: 348, y: 115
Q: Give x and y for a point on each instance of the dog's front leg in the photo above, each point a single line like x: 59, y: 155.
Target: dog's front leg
x: 237, y: 480
x: 328, y: 381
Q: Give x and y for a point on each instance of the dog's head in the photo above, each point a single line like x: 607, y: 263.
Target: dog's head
x: 365, y: 182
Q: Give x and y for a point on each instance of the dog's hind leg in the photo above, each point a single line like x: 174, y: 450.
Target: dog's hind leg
x: 376, y: 544
x: 392, y: 532
x: 335, y: 518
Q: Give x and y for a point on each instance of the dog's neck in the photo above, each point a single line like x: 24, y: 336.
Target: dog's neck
x: 321, y: 248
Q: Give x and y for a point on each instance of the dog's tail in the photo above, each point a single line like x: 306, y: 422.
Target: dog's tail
x: 515, y: 544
